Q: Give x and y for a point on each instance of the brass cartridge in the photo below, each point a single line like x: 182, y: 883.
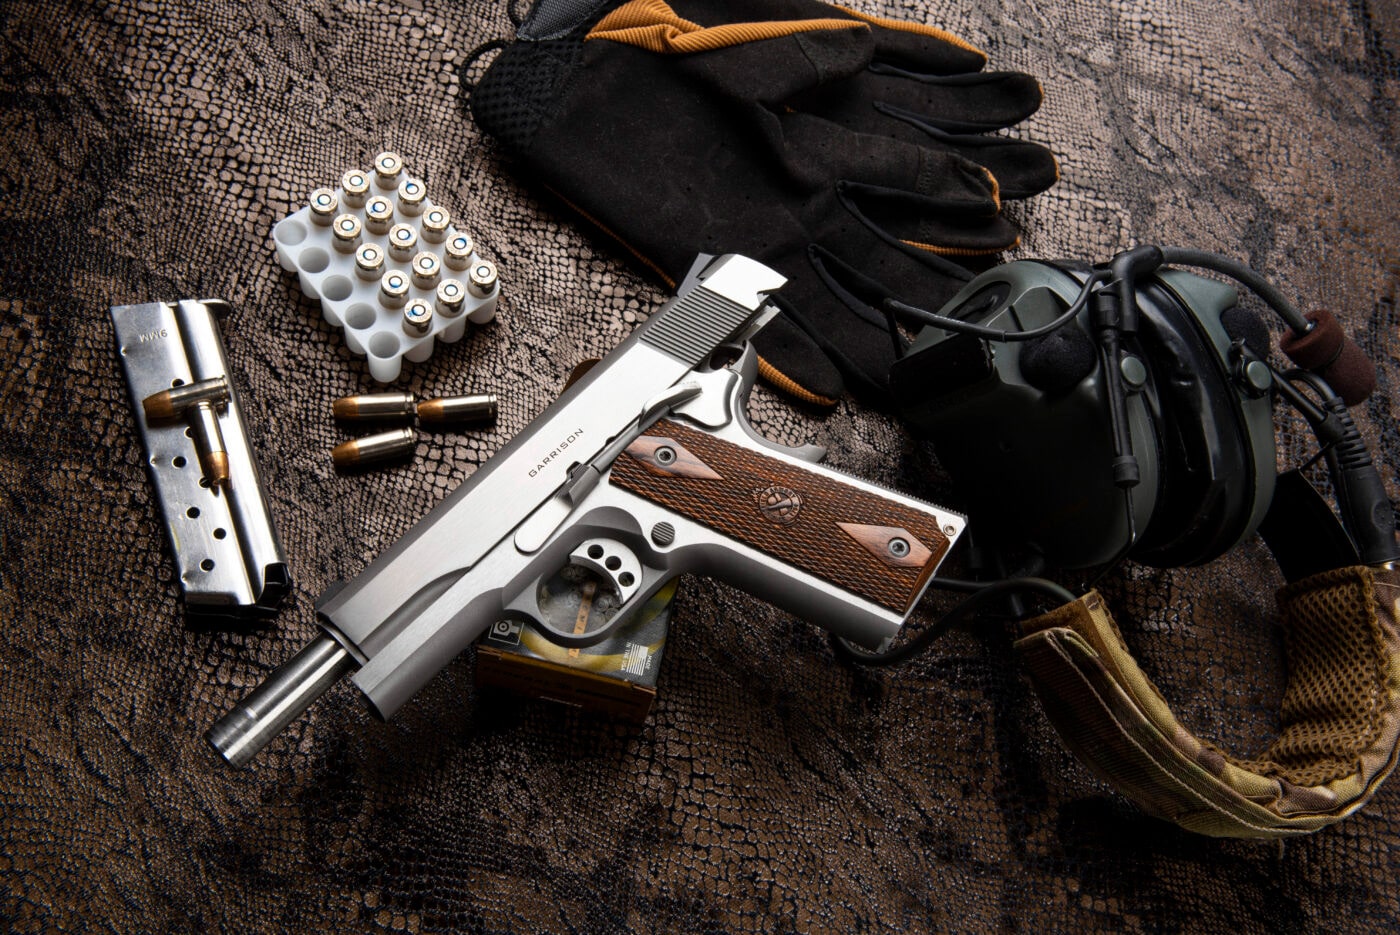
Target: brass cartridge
x: 479, y: 407
x: 388, y: 167
x: 355, y: 184
x: 366, y: 406
x: 417, y: 318
x: 374, y: 449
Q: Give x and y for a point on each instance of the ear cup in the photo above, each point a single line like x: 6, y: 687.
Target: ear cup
x: 1215, y: 441
x: 1024, y: 433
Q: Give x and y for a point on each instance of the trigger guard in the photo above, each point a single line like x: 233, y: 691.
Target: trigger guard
x: 747, y: 369
x: 594, y: 554
x: 570, y: 640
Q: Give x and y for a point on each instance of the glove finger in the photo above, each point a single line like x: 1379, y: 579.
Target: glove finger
x: 792, y: 362
x: 950, y: 116
x: 932, y: 199
x: 972, y: 103
x: 945, y: 224
x: 919, y: 47
x: 1021, y: 168
x: 818, y: 152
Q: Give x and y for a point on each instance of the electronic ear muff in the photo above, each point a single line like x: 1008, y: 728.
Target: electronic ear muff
x: 1093, y: 413
x: 1025, y: 427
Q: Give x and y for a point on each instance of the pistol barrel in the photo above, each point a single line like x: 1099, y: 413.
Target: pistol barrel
x: 279, y: 700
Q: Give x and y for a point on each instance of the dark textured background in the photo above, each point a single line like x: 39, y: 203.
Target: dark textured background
x: 146, y: 149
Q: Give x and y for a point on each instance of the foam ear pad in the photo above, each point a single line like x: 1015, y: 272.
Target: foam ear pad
x: 1243, y: 325
x: 1327, y: 351
x: 1208, y: 493
x: 1059, y: 361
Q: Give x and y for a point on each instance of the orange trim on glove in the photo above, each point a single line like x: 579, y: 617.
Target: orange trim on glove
x: 962, y: 251
x: 785, y: 384
x: 920, y: 29
x: 654, y: 26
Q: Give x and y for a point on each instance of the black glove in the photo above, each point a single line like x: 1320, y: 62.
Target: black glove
x: 839, y: 150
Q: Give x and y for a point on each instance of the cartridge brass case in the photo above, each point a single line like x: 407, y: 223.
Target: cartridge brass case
x: 374, y: 449
x: 379, y: 215
x: 346, y: 231
x: 435, y: 223
x: 481, y: 281
x: 451, y: 296
x: 417, y: 318
x: 426, y: 270
x: 403, y: 242
x: 369, y: 262
x: 388, y: 167
x: 479, y: 407
x: 324, y: 206
x: 355, y: 185
x: 412, y: 194
x: 393, y: 289
x: 367, y: 406
x: 458, y: 252
x: 173, y: 402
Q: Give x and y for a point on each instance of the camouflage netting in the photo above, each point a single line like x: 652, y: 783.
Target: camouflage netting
x: 146, y: 149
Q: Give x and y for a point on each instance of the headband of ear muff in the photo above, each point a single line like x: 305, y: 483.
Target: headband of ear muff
x: 1340, y: 716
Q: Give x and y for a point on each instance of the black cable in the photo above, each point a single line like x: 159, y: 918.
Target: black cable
x: 1236, y: 270
x: 1362, y: 501
x: 957, y: 584
x: 1183, y: 256
x: 984, y: 594
x: 993, y: 334
x: 1122, y: 552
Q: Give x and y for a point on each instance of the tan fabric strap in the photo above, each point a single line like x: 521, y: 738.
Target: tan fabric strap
x: 1340, y: 716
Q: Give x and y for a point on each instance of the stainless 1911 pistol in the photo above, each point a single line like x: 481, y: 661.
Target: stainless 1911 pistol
x: 645, y: 468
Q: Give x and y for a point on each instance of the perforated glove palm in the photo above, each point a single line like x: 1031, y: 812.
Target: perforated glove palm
x: 840, y: 150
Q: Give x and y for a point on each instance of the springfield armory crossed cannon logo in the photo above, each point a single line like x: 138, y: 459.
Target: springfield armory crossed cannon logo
x: 779, y: 505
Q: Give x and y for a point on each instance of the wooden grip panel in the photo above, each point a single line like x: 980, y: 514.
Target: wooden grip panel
x: 874, y: 547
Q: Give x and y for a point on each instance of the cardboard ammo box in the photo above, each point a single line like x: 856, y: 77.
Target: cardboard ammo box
x: 616, y: 677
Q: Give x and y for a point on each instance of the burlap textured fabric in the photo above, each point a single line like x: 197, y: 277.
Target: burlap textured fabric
x: 146, y: 151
